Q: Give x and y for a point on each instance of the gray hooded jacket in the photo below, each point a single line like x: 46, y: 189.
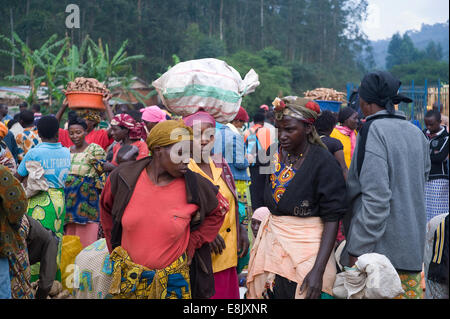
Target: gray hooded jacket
x: 387, y: 200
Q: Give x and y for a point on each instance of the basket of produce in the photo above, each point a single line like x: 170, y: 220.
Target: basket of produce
x: 210, y: 85
x: 86, y: 93
x: 328, y: 99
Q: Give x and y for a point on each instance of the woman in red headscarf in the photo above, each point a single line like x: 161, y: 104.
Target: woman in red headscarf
x: 127, y: 131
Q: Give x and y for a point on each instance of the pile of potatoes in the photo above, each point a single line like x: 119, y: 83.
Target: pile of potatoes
x: 325, y: 94
x: 57, y: 291
x: 87, y: 85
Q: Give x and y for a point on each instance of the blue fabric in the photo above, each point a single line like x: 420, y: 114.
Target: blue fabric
x: 5, y: 280
x: 10, y: 141
x: 82, y: 200
x: 231, y: 146
x: 54, y: 158
x: 7, y: 118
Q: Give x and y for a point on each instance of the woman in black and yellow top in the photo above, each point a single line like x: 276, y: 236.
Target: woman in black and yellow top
x: 292, y: 254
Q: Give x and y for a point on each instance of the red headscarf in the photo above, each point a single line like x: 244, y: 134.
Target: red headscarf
x: 137, y: 130
x: 242, y: 115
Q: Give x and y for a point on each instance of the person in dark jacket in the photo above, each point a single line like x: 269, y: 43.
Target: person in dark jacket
x: 42, y: 246
x: 436, y: 188
x: 325, y: 124
x: 385, y: 185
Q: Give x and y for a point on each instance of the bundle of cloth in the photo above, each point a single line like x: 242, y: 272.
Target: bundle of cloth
x: 210, y: 85
x: 372, y: 277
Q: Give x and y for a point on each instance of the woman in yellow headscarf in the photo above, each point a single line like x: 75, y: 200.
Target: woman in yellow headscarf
x: 156, y: 216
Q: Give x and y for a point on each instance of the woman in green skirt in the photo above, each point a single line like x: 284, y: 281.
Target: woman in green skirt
x: 48, y: 207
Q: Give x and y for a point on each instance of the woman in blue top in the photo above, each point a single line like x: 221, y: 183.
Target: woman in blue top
x: 48, y: 207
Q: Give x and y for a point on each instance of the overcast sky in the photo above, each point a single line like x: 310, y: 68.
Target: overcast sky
x: 387, y: 17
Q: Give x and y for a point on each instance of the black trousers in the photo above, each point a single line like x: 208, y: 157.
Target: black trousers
x: 284, y: 288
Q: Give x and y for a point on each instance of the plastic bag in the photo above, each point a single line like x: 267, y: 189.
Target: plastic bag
x: 373, y: 277
x: 36, y: 181
x: 71, y: 247
x: 208, y: 84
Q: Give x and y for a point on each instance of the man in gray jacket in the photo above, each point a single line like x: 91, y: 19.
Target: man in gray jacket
x: 386, y: 182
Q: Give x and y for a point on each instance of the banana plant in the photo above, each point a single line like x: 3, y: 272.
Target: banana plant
x: 101, y: 66
x: 32, y: 61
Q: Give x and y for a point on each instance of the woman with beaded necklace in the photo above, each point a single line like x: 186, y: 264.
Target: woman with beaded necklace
x: 305, y: 193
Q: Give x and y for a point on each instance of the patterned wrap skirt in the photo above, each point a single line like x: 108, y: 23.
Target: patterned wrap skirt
x: 134, y: 281
x: 48, y: 208
x: 245, y: 215
x: 82, y: 200
x: 436, y: 197
x: 411, y: 284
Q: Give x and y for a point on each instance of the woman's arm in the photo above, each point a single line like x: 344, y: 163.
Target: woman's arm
x: 61, y: 110
x: 210, y: 227
x: 312, y: 283
x: 106, y: 204
x: 339, y: 155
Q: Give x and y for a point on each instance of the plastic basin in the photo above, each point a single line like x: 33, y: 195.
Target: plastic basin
x: 333, y: 106
x: 85, y: 100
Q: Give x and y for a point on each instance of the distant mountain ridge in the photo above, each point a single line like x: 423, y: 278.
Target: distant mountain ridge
x: 438, y: 32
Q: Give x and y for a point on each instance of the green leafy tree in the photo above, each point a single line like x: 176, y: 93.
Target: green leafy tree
x: 421, y: 70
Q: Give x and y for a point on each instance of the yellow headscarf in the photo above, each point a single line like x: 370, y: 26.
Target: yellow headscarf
x: 167, y: 133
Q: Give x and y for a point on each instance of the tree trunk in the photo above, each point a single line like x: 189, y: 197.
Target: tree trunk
x: 138, y: 64
x: 221, y: 20
x: 26, y: 12
x: 13, y: 61
x: 262, y: 24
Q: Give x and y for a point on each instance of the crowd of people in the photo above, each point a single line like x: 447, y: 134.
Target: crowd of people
x: 164, y: 207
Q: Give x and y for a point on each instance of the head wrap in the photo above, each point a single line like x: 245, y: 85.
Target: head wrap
x: 136, y: 129
x: 201, y: 116
x: 167, y: 133
x: 264, y: 107
x: 345, y: 113
x: 261, y: 213
x: 242, y: 115
x: 3, y: 130
x: 91, y: 115
x: 153, y: 114
x: 302, y: 109
x: 381, y: 88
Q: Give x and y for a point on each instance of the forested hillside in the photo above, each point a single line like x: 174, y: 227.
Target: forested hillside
x: 437, y: 33
x: 296, y: 44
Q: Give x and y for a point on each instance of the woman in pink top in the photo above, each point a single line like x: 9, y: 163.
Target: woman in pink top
x: 158, y: 219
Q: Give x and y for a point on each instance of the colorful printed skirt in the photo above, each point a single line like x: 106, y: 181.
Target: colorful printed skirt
x: 245, y: 204
x: 436, y: 197
x: 133, y: 281
x: 48, y: 209
x: 411, y: 285
x: 20, y: 270
x: 82, y: 200
x: 245, y: 215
